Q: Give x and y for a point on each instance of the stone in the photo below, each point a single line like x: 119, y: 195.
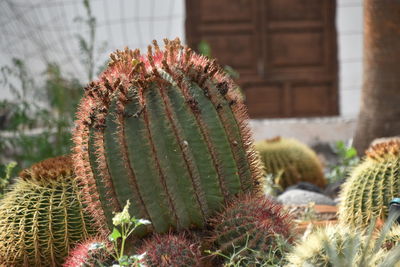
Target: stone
x: 303, y: 197
x: 306, y: 186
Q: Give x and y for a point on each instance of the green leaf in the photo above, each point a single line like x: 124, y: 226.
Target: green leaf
x: 114, y: 235
x: 351, y: 152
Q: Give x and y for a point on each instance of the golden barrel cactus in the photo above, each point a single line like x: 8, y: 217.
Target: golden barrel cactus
x: 295, y: 160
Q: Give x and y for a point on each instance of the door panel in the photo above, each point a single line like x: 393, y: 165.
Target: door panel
x: 284, y: 50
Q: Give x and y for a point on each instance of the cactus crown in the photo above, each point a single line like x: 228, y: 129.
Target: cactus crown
x: 49, y: 169
x: 166, y: 130
x: 371, y: 186
x: 297, y: 161
x: 384, y: 150
x: 42, y: 216
x: 173, y: 250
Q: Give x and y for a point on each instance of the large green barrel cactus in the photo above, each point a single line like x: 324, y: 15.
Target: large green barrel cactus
x: 294, y: 160
x: 42, y: 216
x: 371, y: 186
x: 168, y: 131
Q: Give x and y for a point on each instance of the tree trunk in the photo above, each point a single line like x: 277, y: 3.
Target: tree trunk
x: 380, y: 100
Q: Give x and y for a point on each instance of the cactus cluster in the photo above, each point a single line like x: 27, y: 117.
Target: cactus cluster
x: 294, y: 160
x: 253, y: 225
x: 42, y: 216
x: 336, y: 245
x: 168, y: 131
x: 371, y: 186
x: 169, y: 249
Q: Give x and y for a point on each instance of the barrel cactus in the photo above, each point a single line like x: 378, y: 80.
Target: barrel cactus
x: 295, y: 160
x: 167, y: 131
x: 90, y: 253
x: 371, y: 186
x: 336, y: 245
x: 170, y: 250
x: 257, y: 226
x: 42, y: 216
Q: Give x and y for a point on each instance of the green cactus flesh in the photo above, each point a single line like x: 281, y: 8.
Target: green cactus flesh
x: 168, y: 131
x: 295, y: 161
x: 42, y: 216
x: 371, y: 186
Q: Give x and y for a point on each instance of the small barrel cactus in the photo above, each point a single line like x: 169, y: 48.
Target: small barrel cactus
x: 346, y: 248
x: 255, y: 225
x: 167, y: 131
x: 371, y: 186
x: 42, y: 216
x: 170, y: 250
x: 294, y: 160
x: 89, y: 253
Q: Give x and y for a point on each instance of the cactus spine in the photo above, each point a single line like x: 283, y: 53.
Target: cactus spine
x: 297, y: 161
x: 170, y: 250
x: 42, y: 216
x: 252, y: 224
x: 90, y: 253
x: 166, y: 130
x: 349, y: 248
x: 371, y: 185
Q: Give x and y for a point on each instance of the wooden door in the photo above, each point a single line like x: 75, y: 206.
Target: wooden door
x: 284, y: 50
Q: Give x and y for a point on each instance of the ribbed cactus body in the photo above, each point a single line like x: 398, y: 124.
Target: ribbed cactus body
x: 255, y: 225
x: 296, y: 161
x: 371, y: 186
x: 42, y: 216
x: 167, y: 131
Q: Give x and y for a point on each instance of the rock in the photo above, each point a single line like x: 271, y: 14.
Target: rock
x: 306, y: 186
x: 303, y: 197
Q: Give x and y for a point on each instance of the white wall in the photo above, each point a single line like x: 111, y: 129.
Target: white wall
x: 349, y: 22
x: 45, y: 30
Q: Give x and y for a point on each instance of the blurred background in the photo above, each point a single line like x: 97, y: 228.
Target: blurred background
x: 299, y: 62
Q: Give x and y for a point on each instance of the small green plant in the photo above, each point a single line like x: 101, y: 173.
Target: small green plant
x: 6, y: 171
x: 124, y: 226
x: 347, y: 159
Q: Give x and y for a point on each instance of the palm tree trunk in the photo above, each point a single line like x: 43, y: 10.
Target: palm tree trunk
x: 380, y: 100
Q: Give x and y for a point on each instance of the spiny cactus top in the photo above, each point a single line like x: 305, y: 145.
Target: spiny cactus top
x: 257, y: 226
x: 166, y: 130
x: 42, y: 216
x: 92, y: 252
x: 372, y: 185
x: 170, y: 250
x: 295, y: 160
